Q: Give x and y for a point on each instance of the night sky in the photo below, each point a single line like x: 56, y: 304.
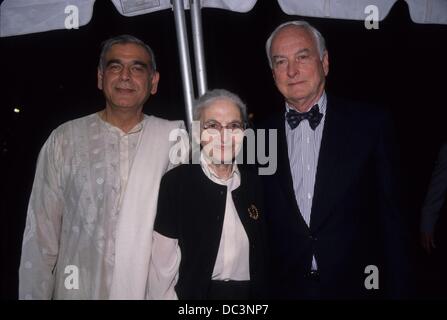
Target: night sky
x: 51, y: 77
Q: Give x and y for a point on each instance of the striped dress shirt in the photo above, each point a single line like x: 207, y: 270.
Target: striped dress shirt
x: 303, y: 145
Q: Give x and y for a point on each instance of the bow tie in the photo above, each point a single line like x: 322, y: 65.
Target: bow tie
x: 313, y: 116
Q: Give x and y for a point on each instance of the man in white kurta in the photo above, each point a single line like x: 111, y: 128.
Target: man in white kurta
x: 90, y: 216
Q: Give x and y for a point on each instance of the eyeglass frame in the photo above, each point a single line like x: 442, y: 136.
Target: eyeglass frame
x: 219, y: 127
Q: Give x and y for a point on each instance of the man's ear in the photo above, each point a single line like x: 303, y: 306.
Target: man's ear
x: 325, y: 62
x: 100, y: 77
x: 154, y: 82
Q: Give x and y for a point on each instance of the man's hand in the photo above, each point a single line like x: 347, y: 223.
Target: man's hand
x: 427, y: 241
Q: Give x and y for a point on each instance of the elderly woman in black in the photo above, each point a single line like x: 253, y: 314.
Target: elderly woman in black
x: 208, y: 238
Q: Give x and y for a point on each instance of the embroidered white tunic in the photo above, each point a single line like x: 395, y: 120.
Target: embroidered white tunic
x: 69, y: 241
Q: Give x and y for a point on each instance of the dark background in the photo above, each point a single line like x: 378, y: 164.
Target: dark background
x: 51, y: 77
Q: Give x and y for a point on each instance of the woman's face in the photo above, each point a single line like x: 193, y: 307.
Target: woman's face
x: 222, y: 131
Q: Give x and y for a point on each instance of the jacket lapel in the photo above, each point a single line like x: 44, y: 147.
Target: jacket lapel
x: 333, y: 145
x: 284, y: 173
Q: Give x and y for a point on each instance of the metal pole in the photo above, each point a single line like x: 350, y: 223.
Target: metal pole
x: 185, y: 62
x: 197, y: 36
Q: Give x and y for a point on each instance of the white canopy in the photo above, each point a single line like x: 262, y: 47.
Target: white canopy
x: 29, y: 16
x: 421, y: 11
x: 19, y: 17
x: 134, y: 7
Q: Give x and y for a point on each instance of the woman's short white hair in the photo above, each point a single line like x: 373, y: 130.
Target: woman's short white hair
x: 218, y: 94
x: 319, y: 39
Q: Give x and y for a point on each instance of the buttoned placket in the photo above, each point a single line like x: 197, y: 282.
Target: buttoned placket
x: 304, y: 178
x: 125, y: 150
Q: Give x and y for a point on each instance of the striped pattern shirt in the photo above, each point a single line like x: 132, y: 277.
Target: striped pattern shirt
x: 303, y: 146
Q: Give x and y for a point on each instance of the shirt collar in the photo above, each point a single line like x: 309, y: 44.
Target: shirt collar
x: 137, y: 128
x: 210, y: 174
x: 321, y: 104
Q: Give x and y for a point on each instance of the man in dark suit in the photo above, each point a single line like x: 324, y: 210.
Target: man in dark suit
x: 335, y: 224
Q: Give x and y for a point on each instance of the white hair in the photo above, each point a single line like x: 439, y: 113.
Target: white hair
x: 319, y: 39
x: 218, y: 94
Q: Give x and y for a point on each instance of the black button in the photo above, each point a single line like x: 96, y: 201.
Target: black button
x: 313, y: 275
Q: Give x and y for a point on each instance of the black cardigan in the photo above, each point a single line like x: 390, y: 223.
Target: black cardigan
x: 191, y: 209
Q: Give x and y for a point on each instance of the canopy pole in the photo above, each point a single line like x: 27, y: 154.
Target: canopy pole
x: 197, y: 36
x: 185, y: 62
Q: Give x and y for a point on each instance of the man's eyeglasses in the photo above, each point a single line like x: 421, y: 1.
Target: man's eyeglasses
x: 217, y: 126
x: 135, y: 69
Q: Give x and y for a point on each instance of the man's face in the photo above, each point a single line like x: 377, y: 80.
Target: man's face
x: 127, y: 78
x: 298, y: 72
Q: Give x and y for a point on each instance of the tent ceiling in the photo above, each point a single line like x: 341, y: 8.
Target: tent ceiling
x: 136, y: 7
x: 340, y: 9
x: 421, y: 11
x: 29, y: 16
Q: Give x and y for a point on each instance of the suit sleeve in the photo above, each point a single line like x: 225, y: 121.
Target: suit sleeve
x: 436, y: 193
x: 394, y: 219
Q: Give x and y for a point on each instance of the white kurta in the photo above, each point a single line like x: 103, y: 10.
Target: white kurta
x: 69, y: 241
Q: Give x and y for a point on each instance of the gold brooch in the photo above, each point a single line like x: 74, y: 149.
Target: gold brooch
x: 253, y: 212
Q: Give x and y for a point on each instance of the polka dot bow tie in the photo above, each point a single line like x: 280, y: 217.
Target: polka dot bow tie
x: 313, y: 116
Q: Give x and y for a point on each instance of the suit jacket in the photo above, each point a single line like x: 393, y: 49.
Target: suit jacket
x: 356, y: 219
x: 436, y: 194
x: 191, y: 208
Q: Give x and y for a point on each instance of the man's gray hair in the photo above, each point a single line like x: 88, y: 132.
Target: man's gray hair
x: 218, y: 94
x: 319, y: 39
x: 124, y: 39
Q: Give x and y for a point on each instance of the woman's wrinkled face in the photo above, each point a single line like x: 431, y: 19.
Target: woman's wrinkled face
x: 222, y: 131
